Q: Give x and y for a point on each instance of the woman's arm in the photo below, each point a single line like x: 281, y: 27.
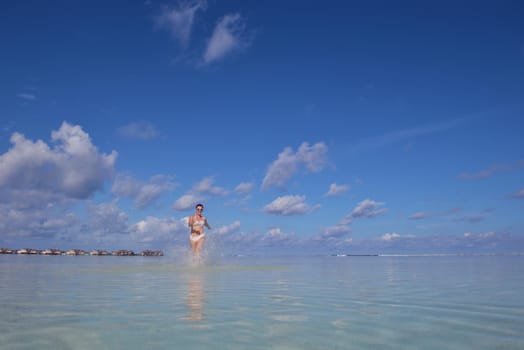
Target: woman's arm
x: 190, y: 222
x: 207, y: 225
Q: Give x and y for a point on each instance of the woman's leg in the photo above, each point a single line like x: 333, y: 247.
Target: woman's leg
x: 193, y: 245
x: 198, y: 245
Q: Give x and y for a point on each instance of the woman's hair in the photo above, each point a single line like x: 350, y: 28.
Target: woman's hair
x: 199, y: 205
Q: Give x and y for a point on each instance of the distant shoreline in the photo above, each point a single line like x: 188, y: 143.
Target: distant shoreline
x: 79, y: 252
x: 429, y: 254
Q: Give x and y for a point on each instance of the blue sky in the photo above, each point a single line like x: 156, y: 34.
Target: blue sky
x: 338, y: 126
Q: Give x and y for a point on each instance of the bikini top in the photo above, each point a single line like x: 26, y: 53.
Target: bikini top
x: 198, y: 223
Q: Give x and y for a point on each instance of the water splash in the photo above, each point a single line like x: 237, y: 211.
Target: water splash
x: 211, y: 254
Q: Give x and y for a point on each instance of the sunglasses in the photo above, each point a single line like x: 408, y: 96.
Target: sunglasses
x: 200, y: 209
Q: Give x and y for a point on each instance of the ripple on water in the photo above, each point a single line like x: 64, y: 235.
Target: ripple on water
x: 386, y: 303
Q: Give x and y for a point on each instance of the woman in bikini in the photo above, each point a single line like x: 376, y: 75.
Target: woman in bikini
x: 196, y: 223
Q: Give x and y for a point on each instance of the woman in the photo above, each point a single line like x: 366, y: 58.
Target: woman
x: 196, y: 223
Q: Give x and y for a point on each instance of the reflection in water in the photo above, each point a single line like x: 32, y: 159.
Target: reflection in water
x: 195, y: 298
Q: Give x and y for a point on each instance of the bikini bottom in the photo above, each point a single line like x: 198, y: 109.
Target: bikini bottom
x: 196, y: 238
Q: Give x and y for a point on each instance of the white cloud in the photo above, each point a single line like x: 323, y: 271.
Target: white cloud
x: 186, y: 202
x: 276, y: 235
x: 126, y: 186
x: 106, y: 219
x: 26, y: 213
x: 244, y: 188
x: 243, y: 241
x: 108, y: 226
x: 389, y: 236
x: 313, y: 158
x: 336, y: 190
x: 72, y: 168
x: 226, y: 38
x: 143, y: 193
x: 227, y: 229
x: 367, y: 208
x: 336, y: 231
x: 288, y: 205
x: 205, y: 186
x: 154, y: 229
x: 281, y: 170
x: 139, y: 130
x: 275, y: 232
x: 179, y: 21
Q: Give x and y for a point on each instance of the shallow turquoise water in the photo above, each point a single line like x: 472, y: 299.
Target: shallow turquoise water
x: 320, y: 302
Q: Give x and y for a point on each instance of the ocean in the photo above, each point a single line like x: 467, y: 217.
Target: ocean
x: 308, y: 302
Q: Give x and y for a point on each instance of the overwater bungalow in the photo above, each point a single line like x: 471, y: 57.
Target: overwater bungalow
x: 75, y: 252
x: 152, y: 253
x: 99, y: 252
x: 124, y: 252
x: 7, y: 251
x: 51, y: 251
x: 72, y: 252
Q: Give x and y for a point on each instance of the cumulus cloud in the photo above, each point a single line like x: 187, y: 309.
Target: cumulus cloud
x: 253, y: 241
x: 186, y: 202
x: 389, y: 236
x: 276, y: 235
x: 107, y: 226
x: 179, y: 21
x: 197, y: 193
x: 337, y: 231
x: 336, y: 190
x: 227, y: 37
x: 205, y: 186
x: 25, y: 213
x: 275, y: 232
x: 488, y: 242
x: 288, y: 205
x: 154, y: 229
x: 227, y: 229
x: 313, y: 158
x: 244, y: 188
x: 106, y: 220
x: 73, y: 167
x: 336, y: 240
x: 139, y: 130
x: 366, y: 209
x: 143, y: 194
